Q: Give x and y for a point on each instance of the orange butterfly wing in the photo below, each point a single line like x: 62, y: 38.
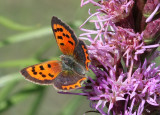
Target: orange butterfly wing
x: 43, y: 73
x: 81, y: 54
x: 64, y: 35
x: 55, y: 72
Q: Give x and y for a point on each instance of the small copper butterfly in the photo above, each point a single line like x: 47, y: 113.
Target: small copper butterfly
x: 67, y: 74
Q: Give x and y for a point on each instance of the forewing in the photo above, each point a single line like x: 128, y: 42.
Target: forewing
x: 64, y: 35
x: 43, y: 73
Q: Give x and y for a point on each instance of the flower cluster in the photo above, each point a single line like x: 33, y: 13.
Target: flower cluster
x: 123, y: 45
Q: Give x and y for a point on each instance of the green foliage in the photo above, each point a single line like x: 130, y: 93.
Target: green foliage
x: 14, y: 26
x: 33, y: 34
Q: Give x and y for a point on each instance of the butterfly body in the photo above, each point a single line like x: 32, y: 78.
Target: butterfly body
x: 67, y: 74
x: 68, y: 63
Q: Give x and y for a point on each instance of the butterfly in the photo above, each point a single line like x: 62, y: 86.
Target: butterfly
x: 70, y: 72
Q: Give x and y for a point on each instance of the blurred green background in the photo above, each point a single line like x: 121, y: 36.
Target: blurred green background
x: 25, y: 39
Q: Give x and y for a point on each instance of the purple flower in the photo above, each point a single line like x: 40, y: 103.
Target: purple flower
x: 115, y: 9
x: 122, y: 47
x: 141, y: 91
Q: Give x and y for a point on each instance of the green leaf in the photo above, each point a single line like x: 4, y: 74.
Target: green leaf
x: 17, y: 63
x: 19, y: 96
x: 4, y: 80
x: 13, y: 25
x: 26, y: 36
x: 5, y: 91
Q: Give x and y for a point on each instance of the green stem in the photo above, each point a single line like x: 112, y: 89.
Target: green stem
x: 36, y: 104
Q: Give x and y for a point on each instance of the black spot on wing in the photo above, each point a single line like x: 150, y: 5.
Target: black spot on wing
x: 67, y: 35
x: 33, y: 70
x: 35, y: 73
x: 49, y: 65
x: 60, y: 37
x: 71, y: 43
x: 55, y: 20
x: 60, y: 29
x: 87, y: 57
x: 62, y: 44
x: 51, y: 75
x: 43, y: 75
x: 41, y: 67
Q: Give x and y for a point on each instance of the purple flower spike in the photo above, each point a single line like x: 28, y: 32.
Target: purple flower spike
x: 123, y: 45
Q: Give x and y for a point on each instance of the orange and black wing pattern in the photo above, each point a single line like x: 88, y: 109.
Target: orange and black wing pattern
x: 81, y: 54
x: 64, y: 35
x: 68, y: 80
x: 43, y: 73
x: 60, y: 74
